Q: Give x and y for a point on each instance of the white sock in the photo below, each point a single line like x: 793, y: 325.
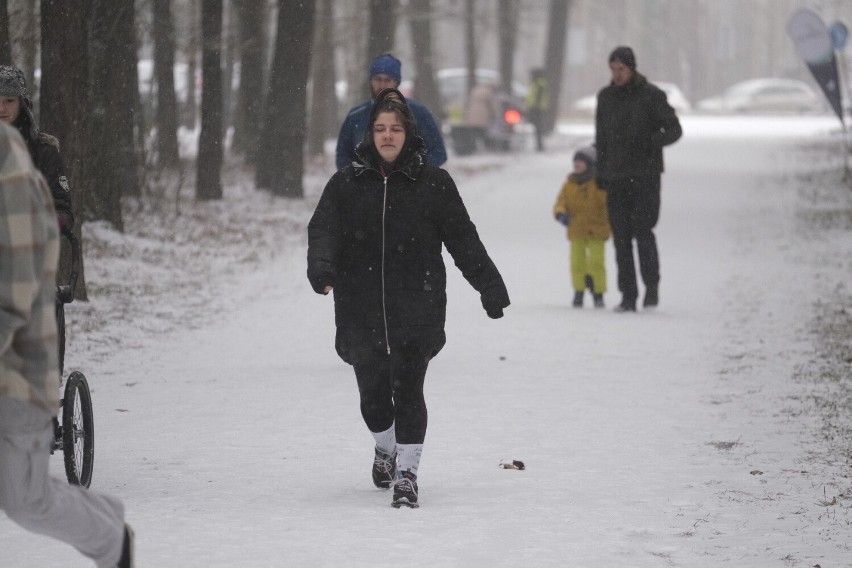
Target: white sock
x: 408, y: 457
x: 386, y: 441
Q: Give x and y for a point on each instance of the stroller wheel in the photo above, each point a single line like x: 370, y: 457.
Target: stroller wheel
x: 78, y: 431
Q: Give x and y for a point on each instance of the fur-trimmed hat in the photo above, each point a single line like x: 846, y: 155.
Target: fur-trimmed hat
x: 14, y: 84
x: 625, y: 55
x: 387, y: 64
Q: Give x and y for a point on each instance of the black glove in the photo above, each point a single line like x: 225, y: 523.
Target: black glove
x: 563, y: 218
x: 494, y: 313
x: 494, y: 299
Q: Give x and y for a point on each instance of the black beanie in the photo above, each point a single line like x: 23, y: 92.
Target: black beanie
x: 625, y: 55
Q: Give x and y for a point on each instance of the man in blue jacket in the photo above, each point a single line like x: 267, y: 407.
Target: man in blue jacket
x: 386, y: 72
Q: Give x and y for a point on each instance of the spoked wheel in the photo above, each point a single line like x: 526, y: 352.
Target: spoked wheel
x: 78, y: 430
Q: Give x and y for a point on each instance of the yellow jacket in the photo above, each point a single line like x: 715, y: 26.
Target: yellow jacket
x: 586, y: 204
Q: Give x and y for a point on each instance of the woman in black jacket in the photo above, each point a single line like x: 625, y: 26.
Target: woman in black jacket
x: 375, y: 239
x: 16, y: 109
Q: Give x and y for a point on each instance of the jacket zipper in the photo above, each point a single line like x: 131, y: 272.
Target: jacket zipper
x: 384, y: 307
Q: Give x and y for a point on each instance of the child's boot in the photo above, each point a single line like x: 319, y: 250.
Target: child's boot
x: 599, y: 303
x: 578, y: 299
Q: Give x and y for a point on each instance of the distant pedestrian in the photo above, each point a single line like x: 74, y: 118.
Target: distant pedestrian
x: 386, y: 73
x: 483, y: 114
x: 632, y: 123
x: 581, y: 206
x: 538, y: 103
x: 16, y: 109
x: 376, y: 241
x: 91, y: 522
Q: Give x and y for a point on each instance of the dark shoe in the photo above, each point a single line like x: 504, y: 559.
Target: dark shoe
x: 625, y: 306
x: 405, y: 491
x: 651, y: 298
x: 128, y: 556
x: 599, y: 303
x: 578, y: 300
x: 384, y: 469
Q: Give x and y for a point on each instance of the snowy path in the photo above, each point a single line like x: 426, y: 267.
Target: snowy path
x: 240, y: 444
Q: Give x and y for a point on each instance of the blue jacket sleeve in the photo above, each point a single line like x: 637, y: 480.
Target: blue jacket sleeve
x: 428, y: 130
x: 345, y: 148
x: 351, y: 133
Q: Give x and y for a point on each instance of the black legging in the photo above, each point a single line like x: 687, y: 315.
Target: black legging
x: 634, y: 208
x: 391, y: 389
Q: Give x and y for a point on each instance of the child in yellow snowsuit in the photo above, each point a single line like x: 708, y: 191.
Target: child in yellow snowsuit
x: 581, y: 206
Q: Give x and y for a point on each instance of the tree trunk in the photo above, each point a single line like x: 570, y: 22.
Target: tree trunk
x: 323, y: 121
x: 509, y: 15
x: 554, y: 58
x: 250, y: 14
x: 209, y: 180
x: 281, y: 154
x: 5, y: 38
x: 110, y: 143
x: 63, y: 94
x: 133, y: 134
x: 470, y: 46
x: 425, y: 85
x: 164, y: 61
x: 191, y: 109
x: 382, y: 28
x: 228, y: 55
x: 29, y: 43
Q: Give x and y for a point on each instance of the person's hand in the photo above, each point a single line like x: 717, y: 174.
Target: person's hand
x: 564, y: 218
x: 494, y: 313
x: 327, y: 289
x: 494, y: 299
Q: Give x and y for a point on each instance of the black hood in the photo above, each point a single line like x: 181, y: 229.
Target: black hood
x: 410, y: 158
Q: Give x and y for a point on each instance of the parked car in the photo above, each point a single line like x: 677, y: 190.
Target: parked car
x: 586, y: 106
x: 765, y: 95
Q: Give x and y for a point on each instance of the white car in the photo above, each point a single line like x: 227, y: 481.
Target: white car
x: 765, y: 95
x: 587, y: 105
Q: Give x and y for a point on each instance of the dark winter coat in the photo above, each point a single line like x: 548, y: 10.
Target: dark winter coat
x: 378, y: 241
x: 632, y: 124
x: 45, y: 155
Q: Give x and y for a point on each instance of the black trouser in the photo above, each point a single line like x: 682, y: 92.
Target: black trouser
x: 634, y: 208
x: 391, y: 389
x: 537, y: 119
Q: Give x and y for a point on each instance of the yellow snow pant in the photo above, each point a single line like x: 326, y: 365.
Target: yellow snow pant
x: 587, y: 257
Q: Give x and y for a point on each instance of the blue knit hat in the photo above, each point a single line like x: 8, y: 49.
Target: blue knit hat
x: 387, y: 64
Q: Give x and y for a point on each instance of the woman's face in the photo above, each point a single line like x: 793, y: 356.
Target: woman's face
x: 10, y: 108
x: 388, y: 135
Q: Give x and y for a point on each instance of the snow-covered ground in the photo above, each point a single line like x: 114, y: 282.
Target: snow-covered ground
x: 694, y: 435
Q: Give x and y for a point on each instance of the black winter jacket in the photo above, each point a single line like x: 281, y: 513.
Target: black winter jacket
x: 632, y: 125
x: 45, y: 154
x: 378, y: 241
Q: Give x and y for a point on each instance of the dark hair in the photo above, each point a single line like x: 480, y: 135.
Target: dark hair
x: 390, y: 100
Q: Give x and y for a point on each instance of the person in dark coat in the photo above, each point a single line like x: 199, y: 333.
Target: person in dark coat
x: 375, y: 240
x: 16, y: 109
x: 633, y: 122
x: 386, y: 72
